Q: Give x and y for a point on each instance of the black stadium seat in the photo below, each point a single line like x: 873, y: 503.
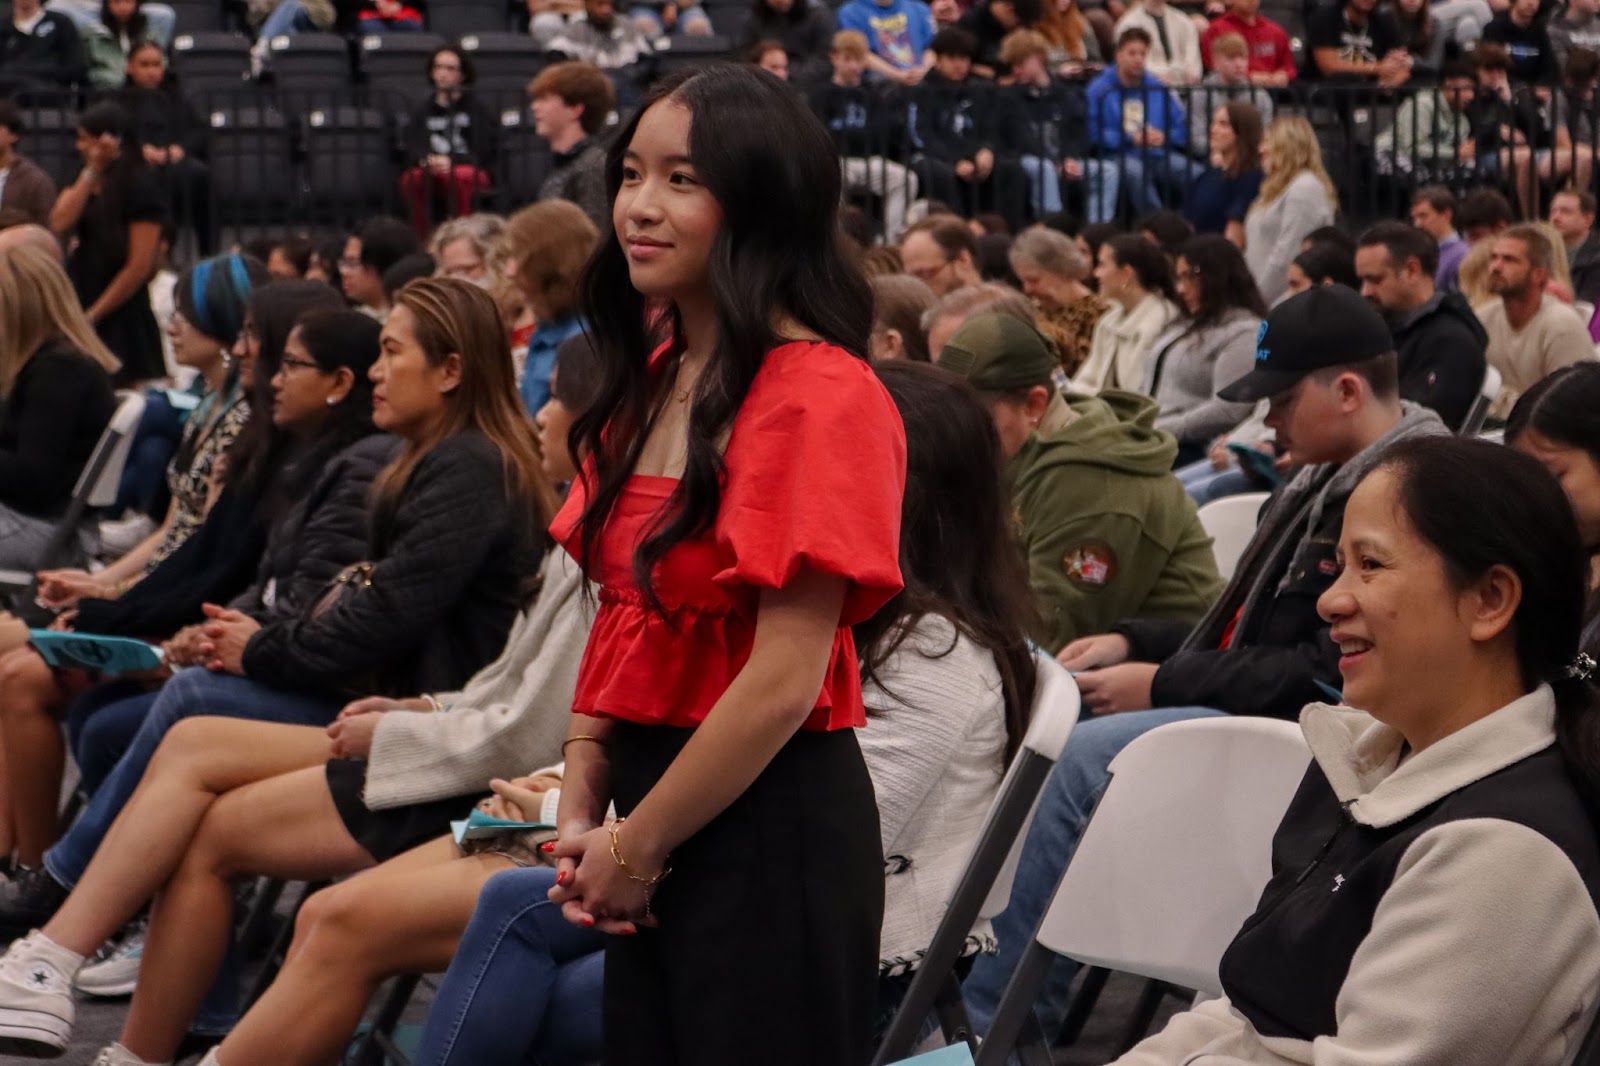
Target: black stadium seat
x: 207, y: 62
x: 252, y: 158
x: 395, y: 67
x: 199, y: 16
x: 677, y: 53
x: 50, y: 138
x: 505, y: 64
x: 350, y: 163
x: 524, y: 160
x: 311, y: 70
x: 457, y: 18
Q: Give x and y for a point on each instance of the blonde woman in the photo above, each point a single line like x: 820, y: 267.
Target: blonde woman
x: 546, y: 247
x: 1297, y: 196
x: 55, y: 400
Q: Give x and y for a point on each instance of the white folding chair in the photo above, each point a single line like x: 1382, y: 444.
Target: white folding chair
x: 96, y: 487
x: 1479, y: 411
x: 1231, y: 522
x: 984, y: 888
x: 1170, y: 865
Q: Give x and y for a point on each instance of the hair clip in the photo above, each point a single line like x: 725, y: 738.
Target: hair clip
x: 1581, y: 667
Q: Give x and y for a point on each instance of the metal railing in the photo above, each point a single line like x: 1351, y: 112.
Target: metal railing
x: 269, y: 161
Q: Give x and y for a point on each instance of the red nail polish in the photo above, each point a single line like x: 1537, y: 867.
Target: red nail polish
x: 588, y: 922
x: 548, y: 846
x: 561, y: 878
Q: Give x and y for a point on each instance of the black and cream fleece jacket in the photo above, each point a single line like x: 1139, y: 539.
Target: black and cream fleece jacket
x: 1438, y: 910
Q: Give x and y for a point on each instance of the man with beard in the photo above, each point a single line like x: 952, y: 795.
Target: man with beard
x: 1531, y: 333
x: 1440, y: 342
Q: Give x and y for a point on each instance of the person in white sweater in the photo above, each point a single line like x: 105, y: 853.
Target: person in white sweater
x: 384, y: 777
x: 1174, y: 41
x: 1296, y: 197
x: 1435, y: 878
x: 1135, y: 276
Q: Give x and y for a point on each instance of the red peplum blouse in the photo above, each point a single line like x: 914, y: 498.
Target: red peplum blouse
x: 815, y: 472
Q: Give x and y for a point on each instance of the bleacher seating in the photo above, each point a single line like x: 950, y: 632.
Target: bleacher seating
x: 676, y: 53
x: 210, y: 62
x: 524, y: 159
x: 394, y: 65
x: 200, y: 16
x: 350, y: 162
x: 53, y: 143
x: 505, y: 63
x: 253, y: 153
x: 457, y: 18
x: 311, y: 69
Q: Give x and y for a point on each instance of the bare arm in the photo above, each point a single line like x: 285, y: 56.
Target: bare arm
x: 70, y: 203
x: 760, y: 711
x: 144, y: 239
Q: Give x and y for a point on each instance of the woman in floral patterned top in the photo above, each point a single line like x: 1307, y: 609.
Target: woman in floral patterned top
x: 210, y: 333
x: 1052, y: 269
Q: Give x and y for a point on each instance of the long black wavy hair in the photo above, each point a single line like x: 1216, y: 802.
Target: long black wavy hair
x: 774, y: 172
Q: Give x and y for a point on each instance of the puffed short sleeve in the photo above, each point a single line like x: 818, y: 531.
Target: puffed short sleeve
x: 816, y: 469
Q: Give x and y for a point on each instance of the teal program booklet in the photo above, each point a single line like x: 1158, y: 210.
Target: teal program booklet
x: 106, y: 656
x: 478, y: 825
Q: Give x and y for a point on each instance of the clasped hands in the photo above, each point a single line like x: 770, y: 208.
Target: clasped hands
x: 1108, y: 683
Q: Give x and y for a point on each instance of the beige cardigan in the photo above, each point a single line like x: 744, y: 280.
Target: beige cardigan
x: 513, y: 714
x: 1121, y: 348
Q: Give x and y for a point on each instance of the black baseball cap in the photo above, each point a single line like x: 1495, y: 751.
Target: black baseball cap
x: 1325, y: 326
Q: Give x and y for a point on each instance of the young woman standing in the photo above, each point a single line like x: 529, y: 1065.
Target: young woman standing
x: 740, y: 510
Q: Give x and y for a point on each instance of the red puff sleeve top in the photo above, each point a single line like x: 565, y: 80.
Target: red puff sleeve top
x: 815, y: 472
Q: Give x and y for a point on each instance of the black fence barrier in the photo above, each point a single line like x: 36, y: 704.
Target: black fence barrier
x: 264, y: 160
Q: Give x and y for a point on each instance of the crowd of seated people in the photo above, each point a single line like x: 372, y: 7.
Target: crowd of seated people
x: 644, y: 494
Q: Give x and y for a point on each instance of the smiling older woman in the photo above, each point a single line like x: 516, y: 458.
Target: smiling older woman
x: 1435, y: 878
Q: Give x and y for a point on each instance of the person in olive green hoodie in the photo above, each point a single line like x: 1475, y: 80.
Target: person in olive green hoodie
x: 1107, y: 529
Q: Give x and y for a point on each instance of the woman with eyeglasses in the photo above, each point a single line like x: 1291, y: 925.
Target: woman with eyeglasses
x: 1211, y: 344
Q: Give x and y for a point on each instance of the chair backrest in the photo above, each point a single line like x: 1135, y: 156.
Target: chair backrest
x: 395, y: 67
x: 1056, y: 706
x: 1231, y: 522
x: 311, y: 59
x: 102, y: 474
x: 1479, y: 411
x: 1178, y: 850
x: 984, y: 887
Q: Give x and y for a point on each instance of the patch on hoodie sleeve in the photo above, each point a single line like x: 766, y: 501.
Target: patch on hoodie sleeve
x: 1090, y: 564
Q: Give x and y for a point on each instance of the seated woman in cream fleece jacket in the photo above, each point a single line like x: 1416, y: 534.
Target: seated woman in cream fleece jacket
x: 1433, y: 898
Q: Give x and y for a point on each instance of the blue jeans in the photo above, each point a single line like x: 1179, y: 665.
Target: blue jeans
x: 101, y: 725
x: 191, y: 693
x: 1143, y: 172
x: 160, y: 19
x: 1044, y: 176
x: 1064, y: 808
x: 1204, y: 482
x: 525, y: 982
x: 288, y: 17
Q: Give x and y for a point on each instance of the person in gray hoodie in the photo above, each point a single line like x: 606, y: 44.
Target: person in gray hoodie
x: 1440, y: 342
x: 1213, y: 344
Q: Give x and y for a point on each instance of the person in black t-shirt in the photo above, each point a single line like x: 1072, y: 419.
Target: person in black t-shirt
x: 1356, y: 41
x: 1526, y: 41
x: 115, y: 209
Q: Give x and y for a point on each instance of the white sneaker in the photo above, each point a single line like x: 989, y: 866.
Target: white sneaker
x: 117, y: 1055
x: 114, y: 971
x: 120, y: 536
x: 35, y: 1001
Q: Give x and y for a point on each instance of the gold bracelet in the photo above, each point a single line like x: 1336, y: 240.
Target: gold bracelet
x: 649, y: 883
x: 581, y: 736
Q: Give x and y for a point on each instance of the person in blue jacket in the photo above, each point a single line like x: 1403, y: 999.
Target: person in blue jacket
x: 1139, y: 129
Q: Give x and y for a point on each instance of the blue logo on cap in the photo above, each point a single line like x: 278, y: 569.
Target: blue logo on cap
x: 1261, y: 335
